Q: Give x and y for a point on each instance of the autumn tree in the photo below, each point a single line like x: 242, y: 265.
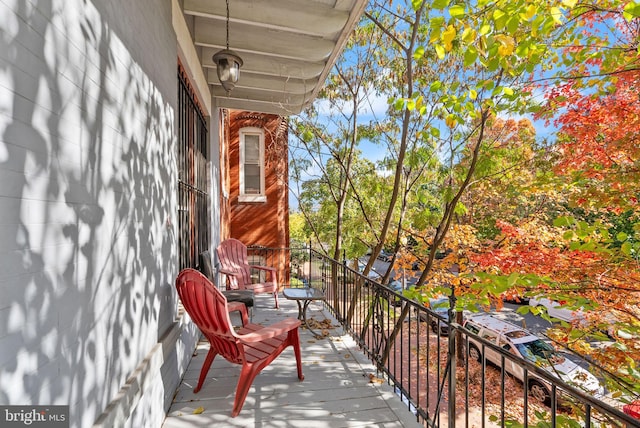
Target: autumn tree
x: 588, y: 258
x: 325, y: 152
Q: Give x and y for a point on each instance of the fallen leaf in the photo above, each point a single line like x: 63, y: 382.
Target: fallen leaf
x: 374, y: 379
x: 198, y: 410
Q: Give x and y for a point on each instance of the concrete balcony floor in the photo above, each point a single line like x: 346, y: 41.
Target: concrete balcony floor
x: 337, y: 390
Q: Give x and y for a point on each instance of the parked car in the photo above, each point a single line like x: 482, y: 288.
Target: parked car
x: 527, y: 346
x: 440, y: 306
x: 385, y: 256
x: 396, y: 286
x: 374, y: 275
x: 557, y: 309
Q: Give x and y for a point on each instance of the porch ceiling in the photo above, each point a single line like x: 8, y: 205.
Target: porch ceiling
x: 287, y: 46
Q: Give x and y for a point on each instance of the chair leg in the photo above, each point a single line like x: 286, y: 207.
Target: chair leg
x: 205, y: 368
x: 275, y: 295
x: 247, y: 375
x: 294, y: 337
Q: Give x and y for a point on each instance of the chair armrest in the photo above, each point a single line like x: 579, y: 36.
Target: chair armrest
x: 229, y: 272
x: 232, y: 279
x: 240, y: 307
x: 273, y: 330
x: 267, y: 268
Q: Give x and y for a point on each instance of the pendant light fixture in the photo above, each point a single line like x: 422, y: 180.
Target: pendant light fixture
x: 228, y: 63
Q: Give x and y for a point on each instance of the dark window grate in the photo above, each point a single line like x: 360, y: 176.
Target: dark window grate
x: 193, y: 177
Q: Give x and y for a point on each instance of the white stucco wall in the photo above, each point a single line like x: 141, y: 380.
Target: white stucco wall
x: 87, y: 202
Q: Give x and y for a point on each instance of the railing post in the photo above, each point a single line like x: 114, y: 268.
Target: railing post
x: 310, y: 265
x: 451, y: 417
x: 343, y: 301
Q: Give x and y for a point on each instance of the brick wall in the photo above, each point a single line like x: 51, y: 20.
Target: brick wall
x: 261, y: 223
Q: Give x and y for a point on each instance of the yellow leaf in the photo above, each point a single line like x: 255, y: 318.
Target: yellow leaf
x: 450, y: 121
x: 374, y: 379
x: 531, y: 11
x: 447, y: 37
x: 469, y: 35
x: 507, y: 44
x: 569, y: 3
x: 556, y: 14
x: 198, y: 410
x: 473, y: 94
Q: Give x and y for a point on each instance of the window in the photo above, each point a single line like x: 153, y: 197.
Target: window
x: 252, y: 165
x: 490, y: 337
x: 472, y: 328
x: 193, y: 177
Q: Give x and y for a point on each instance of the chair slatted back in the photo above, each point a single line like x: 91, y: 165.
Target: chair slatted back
x: 207, y: 307
x: 232, y: 255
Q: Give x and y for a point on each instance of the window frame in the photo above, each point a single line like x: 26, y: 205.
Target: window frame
x: 251, y: 197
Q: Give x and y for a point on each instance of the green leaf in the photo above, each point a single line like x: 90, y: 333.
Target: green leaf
x: 436, y: 28
x: 563, y: 221
x: 499, y: 19
x: 419, y: 53
x: 588, y: 246
x: 631, y: 11
x: 470, y: 56
x: 460, y: 209
x: 494, y: 63
x: 485, y: 29
x: 440, y: 4
x: 399, y: 104
x: 513, y: 24
x: 307, y: 136
x: 621, y: 236
x: 626, y: 248
x: 456, y: 11
x: 435, y: 86
x: 498, y: 14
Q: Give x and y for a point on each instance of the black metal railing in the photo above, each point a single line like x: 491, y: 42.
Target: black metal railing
x: 423, y: 355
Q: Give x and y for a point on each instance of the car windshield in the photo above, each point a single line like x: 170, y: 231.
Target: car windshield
x: 540, y: 353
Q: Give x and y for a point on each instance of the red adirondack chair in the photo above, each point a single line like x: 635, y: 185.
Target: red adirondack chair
x: 253, y: 346
x: 232, y: 255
